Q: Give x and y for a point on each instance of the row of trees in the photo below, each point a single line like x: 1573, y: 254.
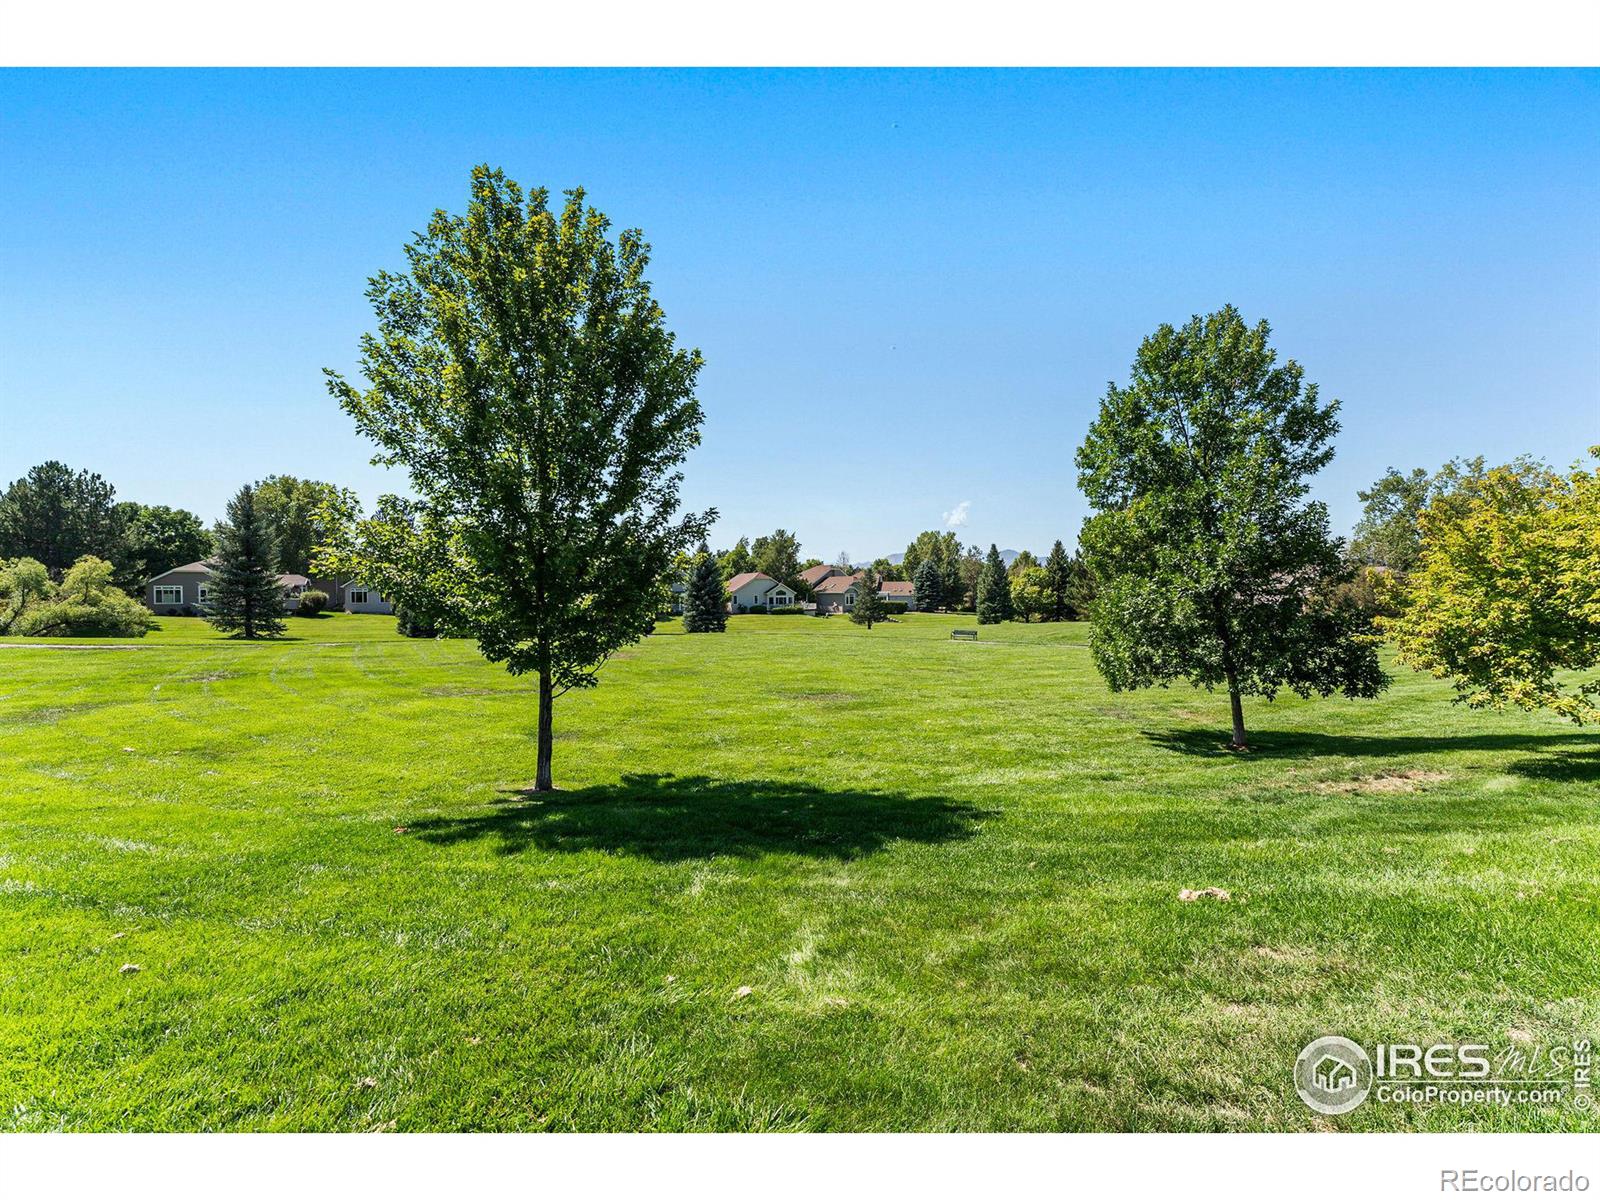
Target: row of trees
x: 56, y: 515
x: 523, y: 374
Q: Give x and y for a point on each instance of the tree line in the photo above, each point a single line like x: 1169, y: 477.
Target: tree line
x: 523, y: 375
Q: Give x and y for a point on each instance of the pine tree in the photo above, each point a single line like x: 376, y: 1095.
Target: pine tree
x: 246, y: 598
x: 705, y: 608
x: 994, y: 590
x: 929, y: 585
x: 1059, y: 569
x: 869, y: 608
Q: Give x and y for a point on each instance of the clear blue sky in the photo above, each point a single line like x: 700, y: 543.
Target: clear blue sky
x: 910, y: 287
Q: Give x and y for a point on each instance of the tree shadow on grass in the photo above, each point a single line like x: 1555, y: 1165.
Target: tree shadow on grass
x: 670, y: 818
x: 1567, y: 755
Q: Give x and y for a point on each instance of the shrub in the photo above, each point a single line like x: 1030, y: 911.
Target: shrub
x: 312, y: 603
x: 86, y: 603
x: 410, y: 625
x: 895, y: 608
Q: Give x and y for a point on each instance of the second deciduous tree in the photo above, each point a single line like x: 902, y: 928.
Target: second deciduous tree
x: 1210, y: 562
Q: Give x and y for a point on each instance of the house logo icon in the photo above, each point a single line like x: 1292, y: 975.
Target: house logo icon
x: 1333, y: 1075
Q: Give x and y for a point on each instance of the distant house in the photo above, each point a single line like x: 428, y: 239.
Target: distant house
x: 837, y: 593
x: 812, y: 576
x: 752, y: 590
x: 187, y: 590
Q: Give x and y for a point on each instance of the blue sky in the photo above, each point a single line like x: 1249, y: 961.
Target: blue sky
x: 910, y: 287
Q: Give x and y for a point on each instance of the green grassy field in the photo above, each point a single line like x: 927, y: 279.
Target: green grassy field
x: 947, y: 873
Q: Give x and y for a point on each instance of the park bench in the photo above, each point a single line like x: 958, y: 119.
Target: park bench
x: 963, y: 635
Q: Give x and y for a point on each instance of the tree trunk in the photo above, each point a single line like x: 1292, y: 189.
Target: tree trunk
x: 1232, y: 675
x: 1234, y: 702
x: 542, y: 781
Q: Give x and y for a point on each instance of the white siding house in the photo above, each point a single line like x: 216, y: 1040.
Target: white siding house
x: 753, y: 590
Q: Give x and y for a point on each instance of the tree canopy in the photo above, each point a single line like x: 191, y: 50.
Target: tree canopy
x: 297, y: 513
x: 523, y: 375
x: 1209, y: 561
x: 1030, y: 593
x: 1387, y: 534
x: 777, y: 554
x: 157, y: 538
x: 1504, y: 595
x: 55, y: 515
x: 86, y: 603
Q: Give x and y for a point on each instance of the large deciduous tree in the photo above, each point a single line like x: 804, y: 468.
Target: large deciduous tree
x: 1030, y: 593
x: 1504, y: 596
x: 777, y: 554
x: 56, y: 515
x: 246, y: 598
x: 298, y: 512
x: 737, y: 561
x: 523, y: 374
x: 156, y: 539
x: 1209, y: 561
x: 1388, y: 535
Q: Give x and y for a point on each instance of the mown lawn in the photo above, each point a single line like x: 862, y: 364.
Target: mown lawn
x: 947, y: 872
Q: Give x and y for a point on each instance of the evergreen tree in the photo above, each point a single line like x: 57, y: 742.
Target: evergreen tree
x: 1080, y: 588
x: 869, y: 608
x: 929, y: 584
x: 246, y: 598
x: 1058, y: 567
x: 955, y: 570
x: 994, y: 590
x: 705, y: 608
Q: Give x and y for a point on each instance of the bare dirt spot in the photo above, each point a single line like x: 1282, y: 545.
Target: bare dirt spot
x: 1384, y: 783
x: 1282, y: 954
x: 1190, y: 895
x: 456, y: 689
x: 211, y: 677
x: 825, y: 697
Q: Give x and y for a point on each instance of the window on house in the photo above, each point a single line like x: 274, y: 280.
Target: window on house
x: 169, y: 595
x: 205, y: 592
x: 358, y: 597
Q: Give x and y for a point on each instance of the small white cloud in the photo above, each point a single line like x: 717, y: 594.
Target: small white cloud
x: 957, y: 516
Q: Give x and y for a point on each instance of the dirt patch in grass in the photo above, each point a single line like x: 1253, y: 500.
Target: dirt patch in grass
x: 211, y: 677
x: 456, y: 689
x: 825, y: 697
x: 1384, y: 783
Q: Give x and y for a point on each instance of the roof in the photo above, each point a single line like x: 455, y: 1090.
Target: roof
x: 748, y: 577
x: 897, y: 587
x: 198, y: 568
x: 836, y: 584
x: 812, y: 576
x: 206, y: 568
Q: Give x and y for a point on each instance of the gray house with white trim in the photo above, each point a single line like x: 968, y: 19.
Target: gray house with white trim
x: 186, y: 590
